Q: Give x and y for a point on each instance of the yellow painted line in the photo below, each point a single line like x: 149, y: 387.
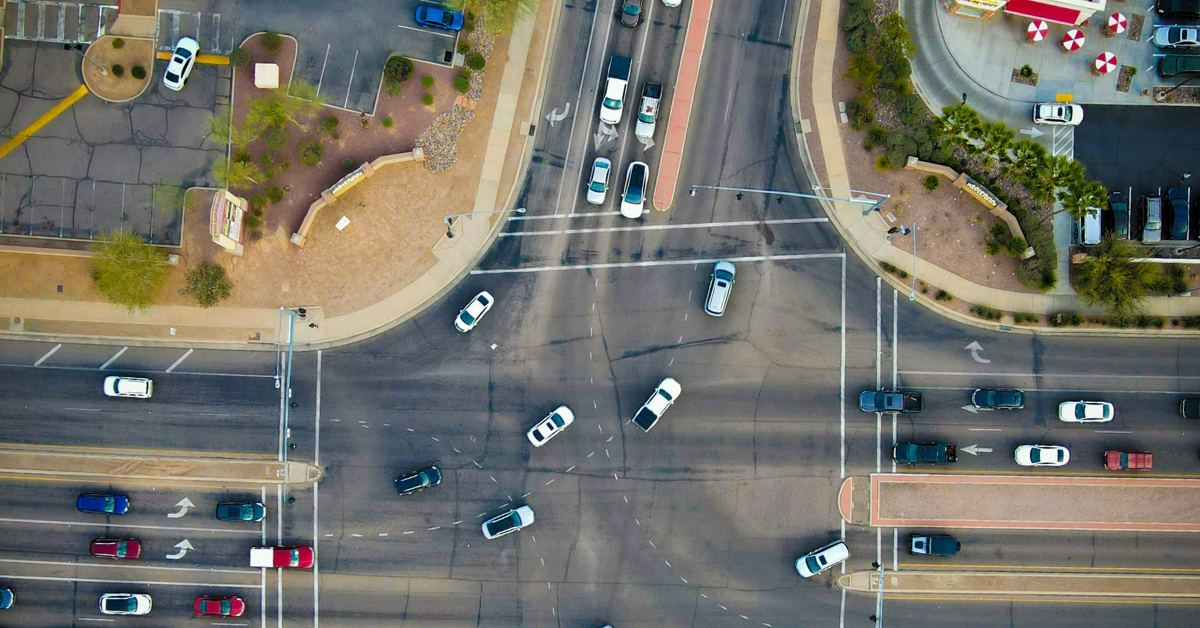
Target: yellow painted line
x: 1048, y: 568
x: 43, y: 120
x: 202, y: 59
x: 1082, y: 599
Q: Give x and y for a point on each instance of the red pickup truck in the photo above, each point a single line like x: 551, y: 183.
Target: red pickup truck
x: 1120, y: 460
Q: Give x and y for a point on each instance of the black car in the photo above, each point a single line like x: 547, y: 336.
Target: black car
x: 1187, y: 9
x: 1178, y: 199
x: 990, y: 399
x: 241, y: 511
x: 1178, y: 65
x: 1120, y: 215
x: 416, y: 482
x: 1189, y: 408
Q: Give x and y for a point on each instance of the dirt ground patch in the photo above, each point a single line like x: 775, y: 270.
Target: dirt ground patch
x: 101, y: 55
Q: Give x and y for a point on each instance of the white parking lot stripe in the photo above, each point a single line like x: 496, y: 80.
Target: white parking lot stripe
x: 48, y: 354
x: 180, y: 360
x: 101, y: 524
x: 679, y: 262
x: 114, y: 358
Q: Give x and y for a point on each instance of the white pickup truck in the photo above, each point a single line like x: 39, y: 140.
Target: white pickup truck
x: 648, y: 111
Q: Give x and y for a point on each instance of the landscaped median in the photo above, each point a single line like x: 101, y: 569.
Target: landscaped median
x: 1047, y: 585
x: 119, y: 69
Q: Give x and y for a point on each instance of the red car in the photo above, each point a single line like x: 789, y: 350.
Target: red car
x: 117, y: 549
x: 282, y: 557
x: 230, y: 606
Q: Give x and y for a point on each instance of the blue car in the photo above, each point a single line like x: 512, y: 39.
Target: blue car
x: 437, y: 17
x: 103, y: 504
x: 7, y: 598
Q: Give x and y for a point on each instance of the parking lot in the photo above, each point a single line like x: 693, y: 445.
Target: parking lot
x: 100, y: 166
x: 1140, y: 151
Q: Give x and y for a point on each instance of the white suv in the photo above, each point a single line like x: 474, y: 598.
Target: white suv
x: 666, y: 394
x: 633, y: 201
x: 822, y: 558
x: 133, y: 387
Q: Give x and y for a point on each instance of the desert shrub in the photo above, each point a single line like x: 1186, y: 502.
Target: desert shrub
x: 893, y: 270
x: 392, y: 87
x: 426, y: 81
x: 1015, y: 247
x: 922, y: 134
x: 208, y: 284
x: 1025, y: 318
x: 118, y: 70
x: 137, y: 72
x: 1173, y: 281
x: 476, y: 61
x: 258, y: 202
x: 911, y: 110
x: 942, y: 295
x: 252, y: 221
x: 118, y: 43
x: 274, y: 194
x: 860, y: 38
x: 1064, y: 319
x: 992, y: 247
x: 398, y: 68
x: 1143, y: 321
x: 1189, y: 322
x: 925, y: 150
x: 272, y: 42
x: 275, y: 138
x: 998, y: 230
x: 985, y: 312
x: 468, y: 27
x: 854, y: 17
x: 347, y: 163
x: 239, y: 58
x: 310, y: 152
x: 387, y: 122
x: 462, y: 85
x: 882, y: 164
x: 464, y: 47
x: 876, y: 136
x: 932, y: 182
x: 860, y: 113
x: 328, y: 125
x: 427, y: 99
x: 1026, y: 71
x: 888, y: 96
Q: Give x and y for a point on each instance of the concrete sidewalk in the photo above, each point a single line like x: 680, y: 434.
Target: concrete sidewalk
x: 866, y: 235
x: 182, y: 326
x: 1024, y: 584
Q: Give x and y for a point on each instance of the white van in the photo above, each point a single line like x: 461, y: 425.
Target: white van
x: 1089, y: 227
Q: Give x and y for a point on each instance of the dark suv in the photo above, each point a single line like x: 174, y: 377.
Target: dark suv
x: 1188, y: 9
x: 1178, y: 198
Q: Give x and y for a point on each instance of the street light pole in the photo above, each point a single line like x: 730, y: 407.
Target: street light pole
x: 79, y: 48
x: 450, y: 219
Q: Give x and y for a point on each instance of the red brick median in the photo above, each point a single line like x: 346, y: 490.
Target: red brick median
x: 1035, y: 502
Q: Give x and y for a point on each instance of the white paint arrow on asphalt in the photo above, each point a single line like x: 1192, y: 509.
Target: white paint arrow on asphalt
x: 647, y: 143
x: 555, y: 116
x: 971, y: 409
x: 975, y: 349
x: 975, y: 450
x: 183, y: 546
x: 183, y: 505
x: 604, y: 131
x: 1033, y: 133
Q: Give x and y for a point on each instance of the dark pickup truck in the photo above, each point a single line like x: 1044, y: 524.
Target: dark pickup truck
x: 925, y: 453
x: 891, y: 401
x: 941, y: 545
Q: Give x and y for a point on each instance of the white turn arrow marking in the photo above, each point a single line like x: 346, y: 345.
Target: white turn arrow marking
x: 971, y: 409
x: 555, y: 116
x: 647, y: 143
x: 975, y: 450
x: 1033, y: 133
x: 183, y: 505
x: 975, y: 349
x: 183, y: 546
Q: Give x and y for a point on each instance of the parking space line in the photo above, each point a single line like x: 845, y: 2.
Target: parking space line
x: 180, y: 360
x: 101, y: 524
x: 321, y: 78
x: 142, y: 582
x: 350, y: 85
x: 426, y: 31
x: 670, y: 262
x: 114, y: 357
x: 53, y: 563
x: 696, y: 225
x: 48, y: 354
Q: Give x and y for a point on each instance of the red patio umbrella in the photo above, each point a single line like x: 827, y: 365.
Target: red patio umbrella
x: 1105, y: 62
x: 1073, y: 40
x: 1117, y: 24
x: 1037, y: 30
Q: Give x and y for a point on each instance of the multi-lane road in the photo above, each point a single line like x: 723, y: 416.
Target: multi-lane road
x: 696, y: 523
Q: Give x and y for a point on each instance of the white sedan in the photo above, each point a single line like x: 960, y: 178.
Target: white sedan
x: 469, y: 317
x: 508, y: 522
x: 125, y: 604
x: 667, y: 392
x: 133, y: 387
x: 1085, y: 411
x: 550, y: 426
x: 181, y: 63
x: 1059, y: 113
x: 1042, y: 455
x: 598, y: 185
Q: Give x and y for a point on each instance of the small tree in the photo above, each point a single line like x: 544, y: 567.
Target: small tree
x: 239, y: 58
x: 208, y: 284
x: 462, y: 85
x: 932, y: 182
x: 275, y: 138
x: 1110, y: 278
x: 118, y: 70
x: 220, y: 131
x: 427, y: 81
x: 272, y: 42
x: 236, y: 174
x: 476, y: 61
x: 310, y: 152
x: 137, y: 72
x: 127, y: 271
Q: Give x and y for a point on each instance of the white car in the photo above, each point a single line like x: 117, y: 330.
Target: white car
x: 1042, y: 455
x: 134, y: 387
x: 672, y: 3
x: 125, y: 604
x: 180, y: 65
x: 508, y: 522
x: 633, y: 201
x: 822, y: 558
x: 1059, y: 113
x: 1085, y: 411
x: 469, y: 317
x: 598, y: 185
x: 666, y: 394
x: 550, y: 426
x: 1185, y: 37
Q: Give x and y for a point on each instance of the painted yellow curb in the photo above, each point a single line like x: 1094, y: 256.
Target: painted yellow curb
x: 43, y: 120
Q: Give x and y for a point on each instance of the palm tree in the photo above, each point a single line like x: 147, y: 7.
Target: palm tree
x: 1079, y: 197
x: 994, y: 140
x: 1027, y: 159
x: 958, y: 123
x: 1111, y: 278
